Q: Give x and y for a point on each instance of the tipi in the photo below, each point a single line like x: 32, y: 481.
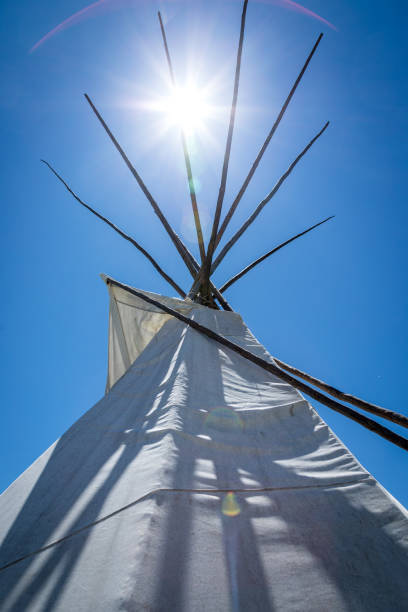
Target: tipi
x: 202, y: 480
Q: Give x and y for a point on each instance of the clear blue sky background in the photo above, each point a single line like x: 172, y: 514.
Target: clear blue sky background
x: 334, y: 303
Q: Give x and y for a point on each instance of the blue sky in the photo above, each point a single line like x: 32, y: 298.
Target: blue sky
x: 334, y: 303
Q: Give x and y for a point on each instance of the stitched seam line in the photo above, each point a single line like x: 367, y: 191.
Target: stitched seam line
x: 155, y: 491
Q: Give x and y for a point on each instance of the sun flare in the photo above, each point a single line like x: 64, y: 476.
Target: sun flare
x: 186, y: 107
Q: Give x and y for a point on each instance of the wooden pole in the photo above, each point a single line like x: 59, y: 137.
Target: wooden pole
x: 185, y: 254
x: 186, y: 154
x: 120, y: 232
x: 366, y: 422
x: 264, y: 146
x: 268, y: 254
x: 390, y: 415
x: 221, y: 192
x: 196, y: 285
x: 181, y: 248
x: 265, y: 201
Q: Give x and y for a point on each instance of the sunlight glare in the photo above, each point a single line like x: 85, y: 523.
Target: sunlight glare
x: 186, y: 107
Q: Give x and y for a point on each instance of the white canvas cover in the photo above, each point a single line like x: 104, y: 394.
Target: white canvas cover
x: 199, y: 482
x: 134, y: 323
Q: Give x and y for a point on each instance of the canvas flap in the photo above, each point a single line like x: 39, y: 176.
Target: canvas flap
x: 133, y: 323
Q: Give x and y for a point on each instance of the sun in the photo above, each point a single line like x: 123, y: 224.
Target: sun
x: 186, y: 107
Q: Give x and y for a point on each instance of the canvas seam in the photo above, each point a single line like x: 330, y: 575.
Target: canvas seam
x: 198, y: 491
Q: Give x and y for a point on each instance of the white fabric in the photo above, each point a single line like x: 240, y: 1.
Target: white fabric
x: 132, y: 325
x: 199, y: 482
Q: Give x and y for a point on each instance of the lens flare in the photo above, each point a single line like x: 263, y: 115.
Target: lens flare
x: 230, y: 506
x: 224, y: 419
x: 99, y: 6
